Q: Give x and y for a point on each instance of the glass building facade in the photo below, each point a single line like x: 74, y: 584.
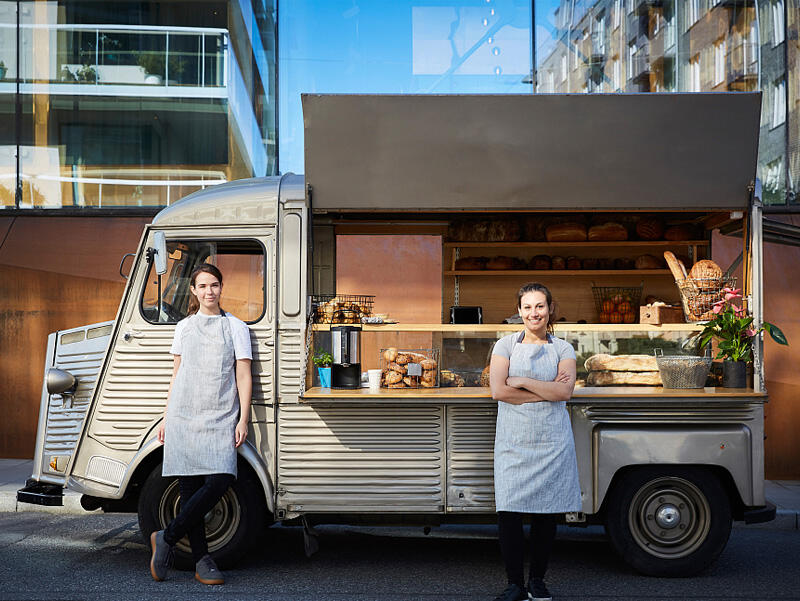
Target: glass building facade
x: 135, y: 104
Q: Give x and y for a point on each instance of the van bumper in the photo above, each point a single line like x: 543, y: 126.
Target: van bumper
x: 759, y: 515
x: 41, y: 493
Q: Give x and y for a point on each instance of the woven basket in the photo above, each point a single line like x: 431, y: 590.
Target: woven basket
x: 682, y: 371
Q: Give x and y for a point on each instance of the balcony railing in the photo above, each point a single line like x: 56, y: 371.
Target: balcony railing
x: 743, y: 61
x: 122, y: 55
x: 641, y: 68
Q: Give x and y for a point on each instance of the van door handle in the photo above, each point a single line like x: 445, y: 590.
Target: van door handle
x: 269, y: 342
x: 128, y: 336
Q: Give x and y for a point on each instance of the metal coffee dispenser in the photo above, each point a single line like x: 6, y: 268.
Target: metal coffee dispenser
x: 346, y: 350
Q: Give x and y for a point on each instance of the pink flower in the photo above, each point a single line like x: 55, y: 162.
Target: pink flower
x: 729, y: 296
x: 731, y: 290
x: 718, y: 307
x: 750, y: 332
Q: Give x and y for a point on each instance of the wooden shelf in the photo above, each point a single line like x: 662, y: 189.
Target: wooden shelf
x: 622, y: 243
x: 516, y: 327
x: 562, y: 272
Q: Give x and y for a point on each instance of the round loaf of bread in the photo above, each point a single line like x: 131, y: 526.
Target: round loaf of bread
x: 558, y: 262
x: 589, y: 263
x: 677, y: 233
x: 650, y: 228
x: 573, y: 263
x: 566, y: 232
x: 541, y: 262
x: 648, y: 262
x: 705, y: 270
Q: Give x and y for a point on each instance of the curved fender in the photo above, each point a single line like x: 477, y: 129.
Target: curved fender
x: 728, y: 447
x: 246, y: 452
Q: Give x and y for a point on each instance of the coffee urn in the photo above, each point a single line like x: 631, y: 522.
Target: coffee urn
x: 346, y: 348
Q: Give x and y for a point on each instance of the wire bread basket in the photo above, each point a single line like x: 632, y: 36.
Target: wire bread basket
x: 682, y: 371
x: 698, y: 296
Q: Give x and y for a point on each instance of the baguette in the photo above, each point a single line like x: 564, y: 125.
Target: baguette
x: 675, y: 266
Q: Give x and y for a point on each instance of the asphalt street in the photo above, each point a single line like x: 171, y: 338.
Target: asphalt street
x: 99, y: 556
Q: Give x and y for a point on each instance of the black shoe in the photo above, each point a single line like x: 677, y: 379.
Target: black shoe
x: 537, y: 591
x: 513, y: 592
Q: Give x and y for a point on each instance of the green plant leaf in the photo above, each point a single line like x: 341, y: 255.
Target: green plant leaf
x: 776, y: 333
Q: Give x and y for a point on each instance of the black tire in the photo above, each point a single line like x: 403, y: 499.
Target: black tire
x: 668, y: 521
x: 231, y: 526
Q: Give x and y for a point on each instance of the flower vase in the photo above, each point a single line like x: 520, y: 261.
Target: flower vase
x: 324, y: 374
x: 734, y: 374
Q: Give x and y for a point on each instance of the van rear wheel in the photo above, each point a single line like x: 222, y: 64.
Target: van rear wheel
x: 231, y: 526
x: 668, y: 521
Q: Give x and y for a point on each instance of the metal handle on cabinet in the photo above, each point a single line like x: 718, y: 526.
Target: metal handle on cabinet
x: 128, y: 336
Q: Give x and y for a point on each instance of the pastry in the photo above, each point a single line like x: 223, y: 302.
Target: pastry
x: 609, y: 231
x: 396, y: 385
x: 427, y: 364
x: 427, y: 383
x: 650, y: 228
x: 485, y: 376
x: 411, y: 381
x: 558, y: 262
x: 540, y: 262
x: 648, y: 262
x: 392, y: 377
x: 390, y: 354
x: 403, y: 359
x: 566, y: 232
x: 605, y: 362
x: 400, y: 369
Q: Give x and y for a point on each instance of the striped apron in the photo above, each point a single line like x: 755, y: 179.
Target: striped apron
x: 203, y: 408
x: 535, y: 468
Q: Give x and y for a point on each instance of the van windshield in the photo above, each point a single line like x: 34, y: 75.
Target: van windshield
x: 241, y: 263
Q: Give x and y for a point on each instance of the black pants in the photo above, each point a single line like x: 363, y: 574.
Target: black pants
x: 512, y: 543
x: 198, y: 495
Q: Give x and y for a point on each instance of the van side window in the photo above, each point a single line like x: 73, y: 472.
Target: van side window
x: 242, y: 266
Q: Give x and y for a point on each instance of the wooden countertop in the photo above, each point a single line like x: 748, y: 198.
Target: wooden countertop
x: 480, y: 394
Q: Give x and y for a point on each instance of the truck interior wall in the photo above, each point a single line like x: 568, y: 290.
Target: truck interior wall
x: 57, y: 273
x: 781, y: 290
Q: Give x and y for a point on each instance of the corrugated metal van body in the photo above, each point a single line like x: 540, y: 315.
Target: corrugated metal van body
x: 79, y: 351
x: 361, y: 459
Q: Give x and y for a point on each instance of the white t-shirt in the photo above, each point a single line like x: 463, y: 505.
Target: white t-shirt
x: 239, y: 332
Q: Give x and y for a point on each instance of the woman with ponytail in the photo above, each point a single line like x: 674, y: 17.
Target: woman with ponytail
x: 205, y: 420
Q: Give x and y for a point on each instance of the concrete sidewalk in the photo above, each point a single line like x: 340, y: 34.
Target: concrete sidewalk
x: 785, y: 494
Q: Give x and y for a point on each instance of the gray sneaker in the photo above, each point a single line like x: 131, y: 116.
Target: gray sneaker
x: 207, y: 572
x: 160, y: 558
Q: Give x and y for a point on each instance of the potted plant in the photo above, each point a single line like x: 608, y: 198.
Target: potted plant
x: 733, y: 330
x: 323, y: 361
x: 87, y: 73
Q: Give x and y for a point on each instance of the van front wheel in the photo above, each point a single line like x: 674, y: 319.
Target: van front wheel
x: 668, y: 521
x: 231, y: 526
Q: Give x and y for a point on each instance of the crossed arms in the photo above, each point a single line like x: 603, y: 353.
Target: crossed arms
x: 517, y: 391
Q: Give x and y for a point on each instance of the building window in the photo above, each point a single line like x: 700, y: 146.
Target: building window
x: 617, y: 13
x: 694, y: 73
x: 778, y: 27
x: 692, y: 12
x: 779, y: 103
x: 563, y: 67
x: 631, y: 60
x: 719, y: 62
x: 615, y: 74
x: 773, y: 176
x: 631, y: 5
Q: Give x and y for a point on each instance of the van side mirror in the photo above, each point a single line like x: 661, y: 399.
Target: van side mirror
x: 160, y: 252
x: 60, y: 381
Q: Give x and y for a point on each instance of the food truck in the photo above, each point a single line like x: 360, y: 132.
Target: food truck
x: 506, y: 183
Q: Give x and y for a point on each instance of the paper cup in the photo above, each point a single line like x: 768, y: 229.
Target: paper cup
x: 374, y: 379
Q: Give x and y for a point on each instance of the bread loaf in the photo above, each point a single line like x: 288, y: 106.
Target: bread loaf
x: 623, y: 263
x: 471, y: 263
x: 573, y: 263
x: 589, y: 263
x: 676, y: 233
x: 500, y: 263
x: 540, y: 262
x: 623, y: 378
x: 504, y: 230
x: 606, y: 362
x: 648, y: 262
x: 675, y: 266
x: 534, y: 229
x: 649, y: 228
x: 609, y: 231
x: 558, y: 262
x: 605, y: 263
x: 705, y: 269
x: 566, y: 232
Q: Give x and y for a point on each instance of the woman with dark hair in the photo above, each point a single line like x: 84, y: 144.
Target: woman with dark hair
x: 532, y: 376
x: 205, y: 420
